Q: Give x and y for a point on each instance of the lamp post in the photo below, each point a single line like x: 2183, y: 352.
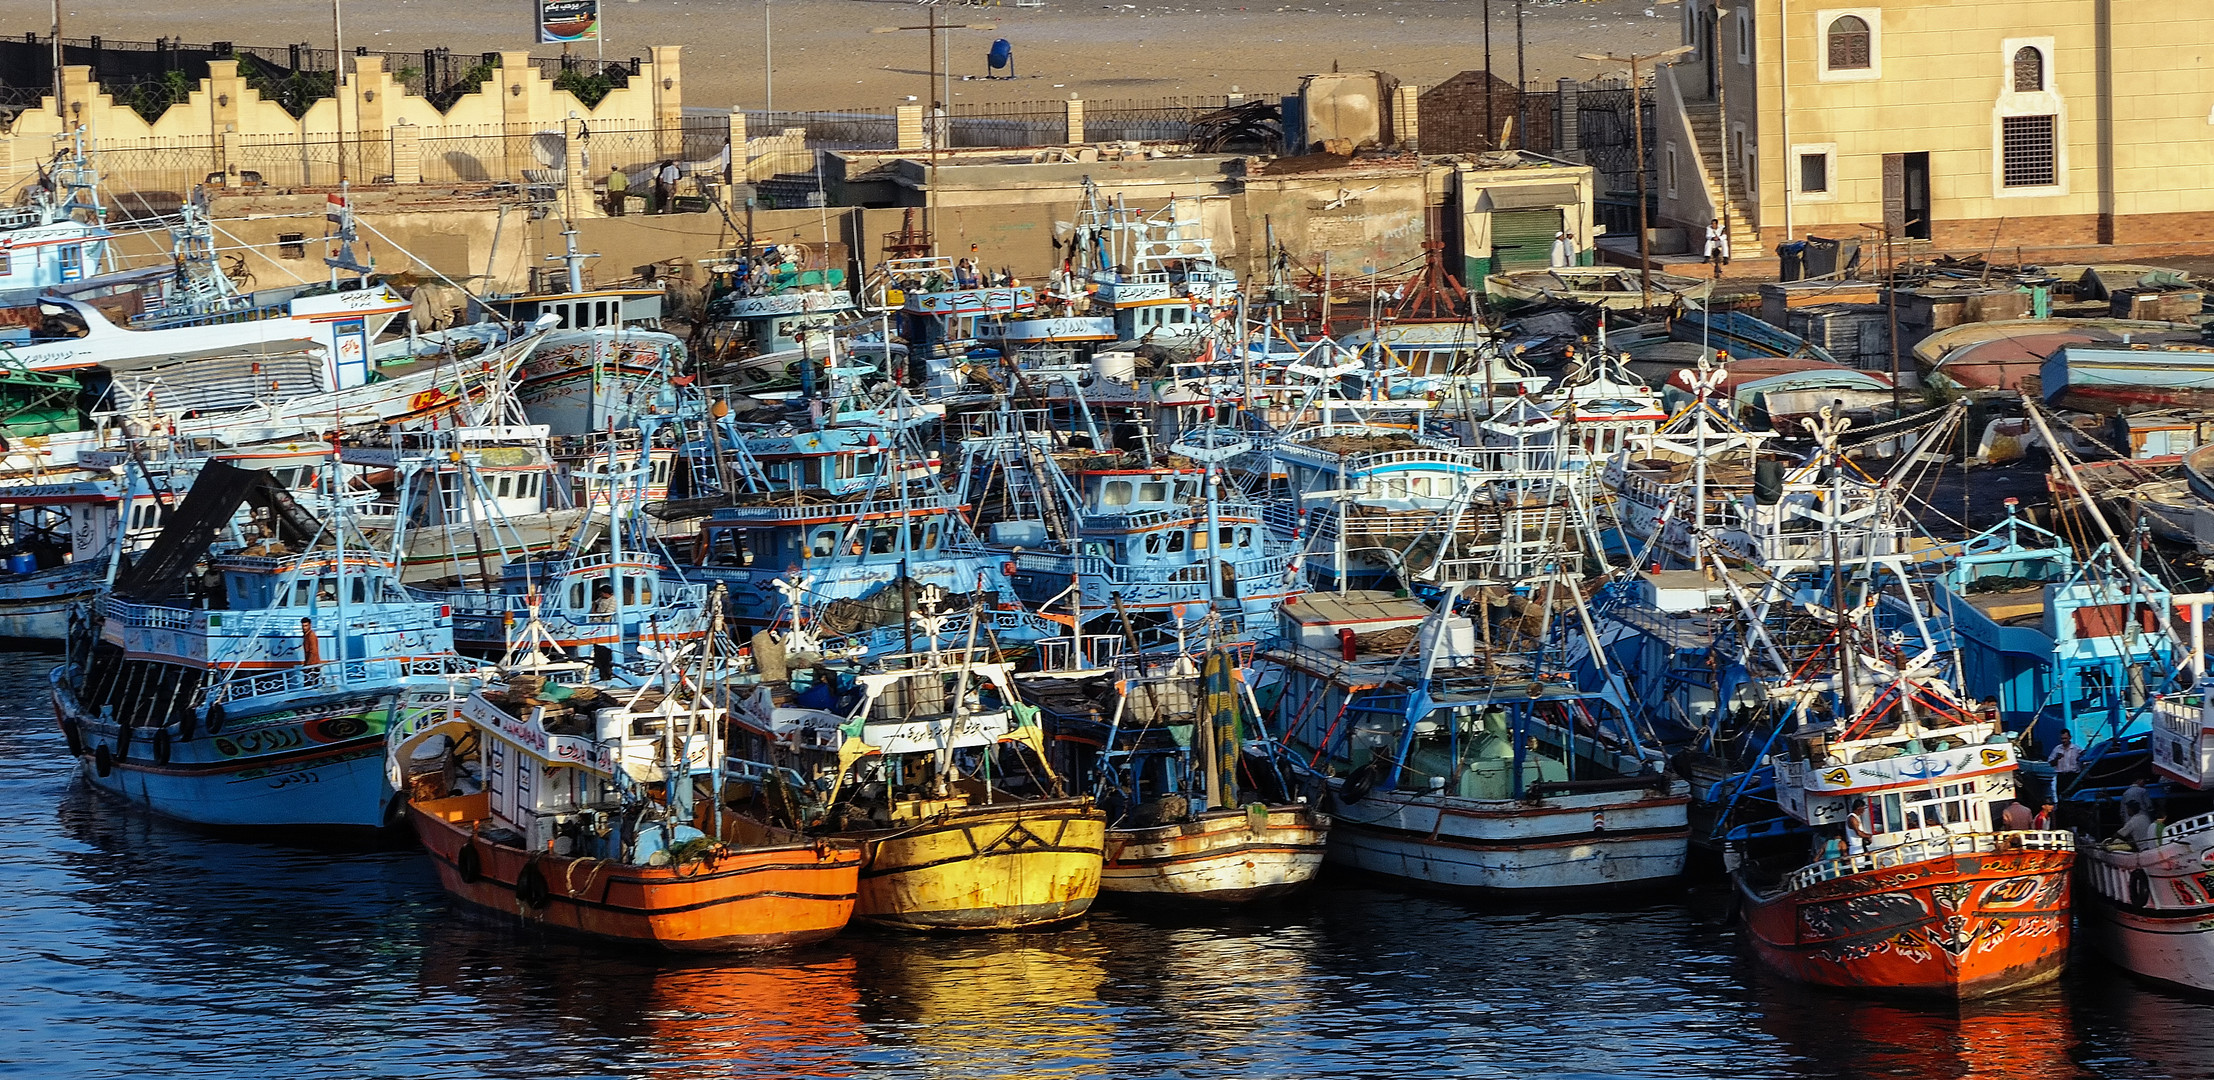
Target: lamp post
x: 938, y: 134
x: 1637, y: 131
x: 338, y: 82
x: 768, y: 60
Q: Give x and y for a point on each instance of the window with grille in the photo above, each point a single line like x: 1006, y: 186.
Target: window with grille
x: 1814, y: 173
x: 292, y: 245
x: 2026, y: 153
x: 2029, y: 70
x: 1848, y: 43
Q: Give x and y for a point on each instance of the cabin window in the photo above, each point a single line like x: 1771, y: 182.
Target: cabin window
x: 7, y: 266
x: 930, y: 537
x: 824, y: 543
x: 1176, y: 541
x: 1116, y: 493
x: 728, y: 547
x: 1187, y: 489
x: 1176, y: 315
x: 884, y: 541
x: 1199, y: 539
x: 637, y: 590
x: 1153, y: 543
x: 576, y: 596
x: 72, y: 260
x: 1245, y: 536
x: 292, y: 245
x: 359, y: 594
x: 504, y: 486
x: 1153, y: 492
x: 1225, y: 535
x: 660, y: 470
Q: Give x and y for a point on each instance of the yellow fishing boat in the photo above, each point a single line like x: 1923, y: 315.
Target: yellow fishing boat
x: 933, y: 763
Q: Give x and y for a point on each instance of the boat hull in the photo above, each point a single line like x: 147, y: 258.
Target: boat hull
x: 752, y: 899
x: 1008, y: 867
x: 1967, y: 924
x: 1580, y: 844
x: 1222, y: 856
x: 36, y: 607
x: 2151, y: 912
x: 307, y: 764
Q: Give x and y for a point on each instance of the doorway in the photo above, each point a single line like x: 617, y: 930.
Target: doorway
x: 1917, y: 169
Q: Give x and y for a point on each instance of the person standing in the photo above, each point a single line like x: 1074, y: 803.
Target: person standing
x: 664, y: 185
x: 1857, y: 832
x: 1564, y: 249
x: 2066, y: 760
x: 1718, y: 245
x: 618, y: 191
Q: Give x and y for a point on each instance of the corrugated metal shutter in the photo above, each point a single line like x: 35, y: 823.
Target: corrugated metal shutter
x: 1523, y: 239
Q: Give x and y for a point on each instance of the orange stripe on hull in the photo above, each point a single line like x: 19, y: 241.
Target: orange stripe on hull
x: 1958, y: 926
x: 750, y: 899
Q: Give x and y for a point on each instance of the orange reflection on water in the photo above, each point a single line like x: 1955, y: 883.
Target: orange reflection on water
x: 799, y: 1018
x: 2024, y: 1035
x: 1021, y: 1006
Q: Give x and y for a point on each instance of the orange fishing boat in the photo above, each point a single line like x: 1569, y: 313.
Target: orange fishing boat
x: 1937, y: 902
x: 594, y: 808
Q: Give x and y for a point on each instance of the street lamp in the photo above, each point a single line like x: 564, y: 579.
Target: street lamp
x: 1637, y: 130
x: 938, y: 105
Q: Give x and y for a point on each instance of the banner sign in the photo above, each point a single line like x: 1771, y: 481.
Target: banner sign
x: 568, y: 20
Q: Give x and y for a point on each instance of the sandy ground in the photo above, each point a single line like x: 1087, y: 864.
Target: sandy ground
x: 828, y: 58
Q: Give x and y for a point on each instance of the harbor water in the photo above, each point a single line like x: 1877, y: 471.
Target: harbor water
x: 131, y: 947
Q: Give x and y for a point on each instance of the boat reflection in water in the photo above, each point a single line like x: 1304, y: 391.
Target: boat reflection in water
x: 2023, y: 1036
x: 1020, y: 1006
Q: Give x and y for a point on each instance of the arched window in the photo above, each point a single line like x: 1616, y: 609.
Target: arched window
x: 2029, y: 70
x: 1848, y: 43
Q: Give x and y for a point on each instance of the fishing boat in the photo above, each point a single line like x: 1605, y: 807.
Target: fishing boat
x: 1940, y: 902
x: 771, y: 311
x: 2095, y: 378
x: 1197, y: 811
x: 1457, y: 754
x: 2147, y: 906
x: 259, y: 694
x: 1126, y: 539
x: 593, y: 807
x: 1611, y: 287
x: 932, y: 762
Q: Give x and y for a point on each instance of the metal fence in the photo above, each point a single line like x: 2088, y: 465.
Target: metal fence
x: 1027, y: 123
x: 837, y: 129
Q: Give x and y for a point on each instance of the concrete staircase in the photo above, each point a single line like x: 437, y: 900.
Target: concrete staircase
x: 1706, y: 129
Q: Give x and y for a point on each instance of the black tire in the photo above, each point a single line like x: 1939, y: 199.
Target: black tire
x: 469, y: 865
x: 215, y: 719
x: 530, y: 886
x: 161, y: 746
x: 103, y: 762
x: 75, y: 737
x: 1359, y: 783
x: 2140, y: 888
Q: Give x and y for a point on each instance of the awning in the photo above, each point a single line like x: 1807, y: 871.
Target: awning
x: 1532, y: 196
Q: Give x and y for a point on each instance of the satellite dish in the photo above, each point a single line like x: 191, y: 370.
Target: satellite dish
x: 550, y: 148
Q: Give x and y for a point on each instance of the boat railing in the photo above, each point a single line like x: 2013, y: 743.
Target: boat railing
x: 1092, y: 566
x: 881, y: 504
x: 364, y: 672
x: 152, y: 616
x: 1934, y: 847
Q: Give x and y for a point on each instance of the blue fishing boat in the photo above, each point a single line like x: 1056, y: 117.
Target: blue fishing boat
x: 1122, y: 539
x: 257, y: 693
x: 2099, y: 379
x: 852, y: 534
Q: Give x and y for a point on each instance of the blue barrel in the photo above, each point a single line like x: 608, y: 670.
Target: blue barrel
x: 22, y: 562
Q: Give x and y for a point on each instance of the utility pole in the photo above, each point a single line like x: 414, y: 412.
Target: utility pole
x: 1637, y: 129
x: 1722, y: 117
x: 1521, y: 85
x: 61, y: 108
x: 937, y: 134
x: 1491, y: 126
x: 338, y: 82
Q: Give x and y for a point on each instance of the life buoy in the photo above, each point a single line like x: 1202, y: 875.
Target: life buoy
x: 469, y: 865
x: 161, y: 746
x: 215, y: 719
x: 2140, y: 888
x: 74, y: 737
x: 1359, y: 783
x: 102, y: 761
x: 530, y: 886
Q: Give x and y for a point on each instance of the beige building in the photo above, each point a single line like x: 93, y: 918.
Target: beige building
x: 1972, y: 124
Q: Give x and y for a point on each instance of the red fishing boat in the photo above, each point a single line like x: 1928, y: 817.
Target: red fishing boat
x: 1934, y: 900
x: 593, y: 808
